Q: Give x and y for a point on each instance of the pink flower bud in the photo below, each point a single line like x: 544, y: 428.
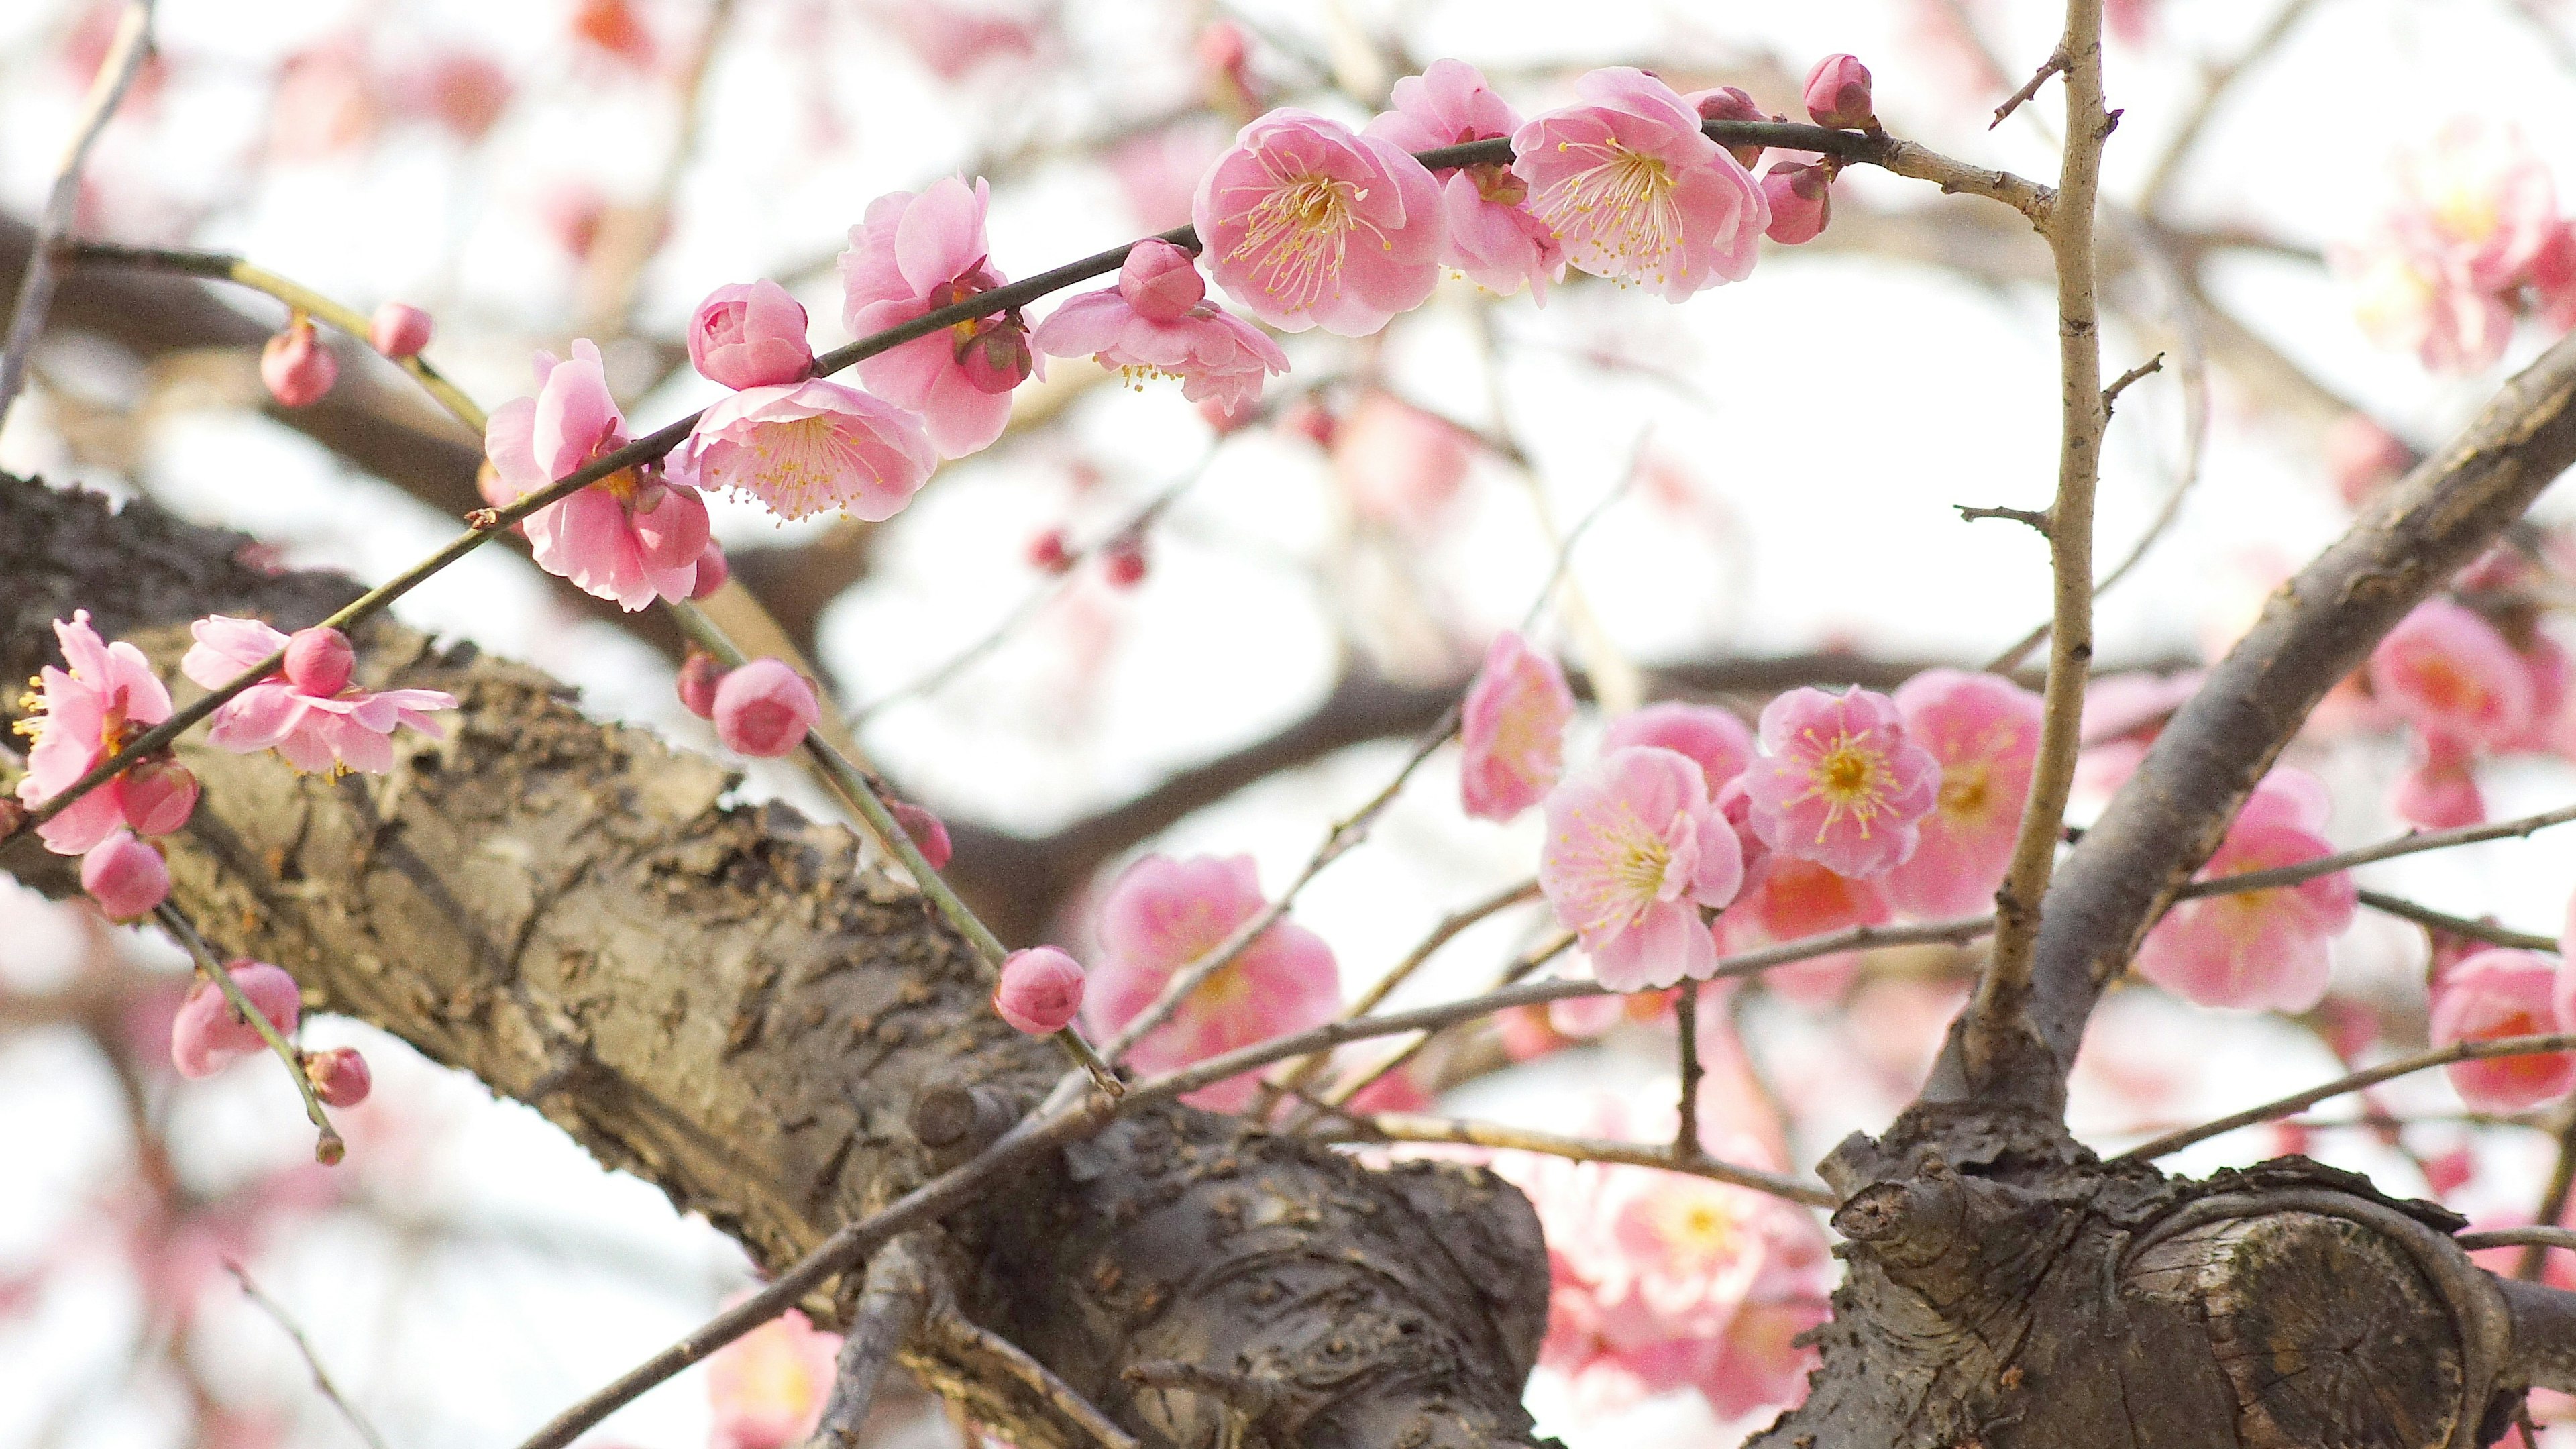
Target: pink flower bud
x: 296, y: 366
x: 207, y: 1034
x: 399, y: 329
x: 1837, y: 94
x: 1727, y: 103
x: 1041, y: 990
x: 713, y: 572
x: 318, y: 661
x: 125, y: 876
x: 158, y: 795
x: 1800, y: 206
x: 751, y: 336
x: 929, y: 833
x: 700, y: 673
x: 764, y: 709
x: 339, y: 1076
x: 1047, y: 551
x: 670, y: 525
x: 1122, y: 560
x: 995, y: 356
x: 1161, y: 281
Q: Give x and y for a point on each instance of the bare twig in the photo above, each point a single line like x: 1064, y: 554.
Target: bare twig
x: 2111, y: 394
x: 2411, y: 843
x: 2487, y: 931
x: 116, y: 72
x: 2054, y: 65
x: 892, y: 1299
x: 1686, y: 1024
x: 1062, y: 1398
x: 304, y: 1348
x: 1412, y: 1127
x: 2466, y: 1051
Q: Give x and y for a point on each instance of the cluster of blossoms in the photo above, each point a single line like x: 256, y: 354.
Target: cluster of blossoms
x: 2473, y: 239
x: 2469, y: 683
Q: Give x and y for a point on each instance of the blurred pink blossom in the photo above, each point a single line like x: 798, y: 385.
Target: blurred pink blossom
x: 1396, y: 463
x: 1984, y: 731
x: 2500, y: 993
x: 1840, y: 783
x: 1493, y: 238
x: 1634, y: 849
x: 1795, y: 899
x: 767, y: 1389
x: 1635, y: 193
x: 348, y: 728
x: 126, y: 877
x: 207, y: 1036
x: 2440, y: 790
x: 462, y: 90
x: 808, y: 447
x: 1512, y: 728
x: 80, y: 716
x: 2362, y: 457
x: 914, y: 253
x: 327, y: 100
x: 2257, y: 950
x: 2446, y: 671
x: 954, y: 40
x: 1158, y: 172
x: 1309, y: 224
x: 1158, y: 322
x: 1160, y: 916
x: 2475, y: 219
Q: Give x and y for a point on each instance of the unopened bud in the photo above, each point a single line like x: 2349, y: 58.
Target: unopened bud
x: 1838, y: 94
x: 298, y: 369
x: 1041, y: 990
x: 125, y: 876
x: 339, y: 1076
x: 319, y: 661
x: 1800, y: 206
x: 399, y: 330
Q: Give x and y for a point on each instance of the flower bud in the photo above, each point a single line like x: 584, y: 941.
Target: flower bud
x: 157, y: 795
x: 207, y: 1035
x: 1161, y: 281
x: 1800, y: 206
x: 764, y: 709
x: 399, y: 330
x: 713, y: 571
x: 1047, y: 551
x: 1041, y: 990
x: 1727, y: 103
x: 296, y: 366
x: 125, y: 876
x: 700, y: 673
x: 670, y: 525
x: 750, y: 336
x: 319, y: 660
x: 339, y: 1076
x: 929, y: 833
x: 1122, y: 560
x: 1837, y: 94
x: 995, y: 356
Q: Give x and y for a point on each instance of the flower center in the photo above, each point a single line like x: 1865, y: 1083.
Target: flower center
x: 1639, y: 868
x: 1296, y: 235
x: 1620, y: 209
x: 1963, y: 790
x: 1851, y: 777
x: 1496, y: 183
x: 1698, y: 1228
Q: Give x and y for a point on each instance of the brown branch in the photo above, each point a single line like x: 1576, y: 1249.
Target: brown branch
x: 892, y: 1298
x: 2487, y: 931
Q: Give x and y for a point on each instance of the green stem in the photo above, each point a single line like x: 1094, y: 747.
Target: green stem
x: 328, y: 1148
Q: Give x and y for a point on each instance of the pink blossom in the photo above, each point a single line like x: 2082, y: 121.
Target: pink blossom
x: 399, y: 329
x: 2362, y: 457
x: 805, y: 447
x: 1158, y: 172
x: 764, y: 709
x: 750, y: 336
x: 1159, y: 917
x: 2257, y: 949
x: 1731, y: 103
x: 1840, y: 782
x: 1157, y: 322
x: 1795, y: 899
x: 1512, y: 726
x: 927, y: 832
x: 1309, y: 224
x: 1040, y: 992
x: 2409, y: 297
x: 2480, y: 199
x: 1397, y: 464
x: 1837, y: 94
x: 80, y: 716
x: 207, y: 1036
x: 1634, y: 848
x: 339, y: 1076
x: 1713, y: 739
x: 767, y: 1388
x: 297, y: 366
x: 2446, y: 671
x: 696, y: 683
x: 2501, y: 993
x: 1984, y: 731
x: 1493, y: 238
x: 459, y: 89
x: 350, y: 728
x: 629, y: 536
x: 1801, y: 203
x: 915, y: 253
x: 2440, y: 791
x: 125, y: 876
x: 1633, y: 190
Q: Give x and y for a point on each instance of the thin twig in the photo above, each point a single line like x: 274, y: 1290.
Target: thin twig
x: 2466, y: 1051
x: 116, y: 72
x: 2119, y: 385
x: 2537, y: 1237
x: 2411, y: 843
x: 892, y: 1299
x: 969, y: 1337
x: 1414, y: 1127
x: 303, y: 1347
x: 1686, y: 1021
x: 2553, y: 1197
x: 2487, y: 931
x: 2054, y: 65
x: 327, y: 1147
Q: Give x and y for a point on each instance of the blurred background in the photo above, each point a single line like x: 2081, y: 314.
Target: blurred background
x: 1123, y: 628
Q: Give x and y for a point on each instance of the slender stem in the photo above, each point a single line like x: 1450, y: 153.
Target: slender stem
x: 1686, y: 1021
x: 2412, y: 842
x: 2487, y: 931
x: 2537, y: 1238
x: 327, y: 1148
x: 2553, y: 1198
x: 1411, y: 1127
x: 973, y: 1338
x: 1351, y: 1086
x: 1998, y: 1016
x: 304, y: 1348
x: 116, y: 72
x: 892, y: 1298
x: 2466, y: 1051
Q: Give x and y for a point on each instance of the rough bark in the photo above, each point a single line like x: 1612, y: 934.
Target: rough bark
x: 722, y: 1000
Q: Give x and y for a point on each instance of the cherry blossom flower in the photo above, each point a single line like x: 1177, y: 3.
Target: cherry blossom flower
x: 207, y: 1036
x: 1512, y: 725
x: 1714, y: 739
x: 2476, y: 217
x: 2501, y: 993
x: 77, y: 717
x: 126, y: 877
x: 764, y: 709
x: 802, y: 448
x: 2440, y: 791
x: 2446, y: 671
x: 1160, y: 916
x: 767, y: 1388
x: 1040, y: 991
x: 1839, y: 782
x: 2416, y: 300
x: 1984, y: 731
x: 914, y: 253
x: 1309, y: 224
x: 1493, y: 238
x: 1634, y: 848
x: 1626, y: 182
x: 344, y: 729
x: 751, y: 335
x: 2258, y: 950
x: 630, y: 537
x: 2362, y: 457
x: 1397, y: 464
x: 1158, y: 322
